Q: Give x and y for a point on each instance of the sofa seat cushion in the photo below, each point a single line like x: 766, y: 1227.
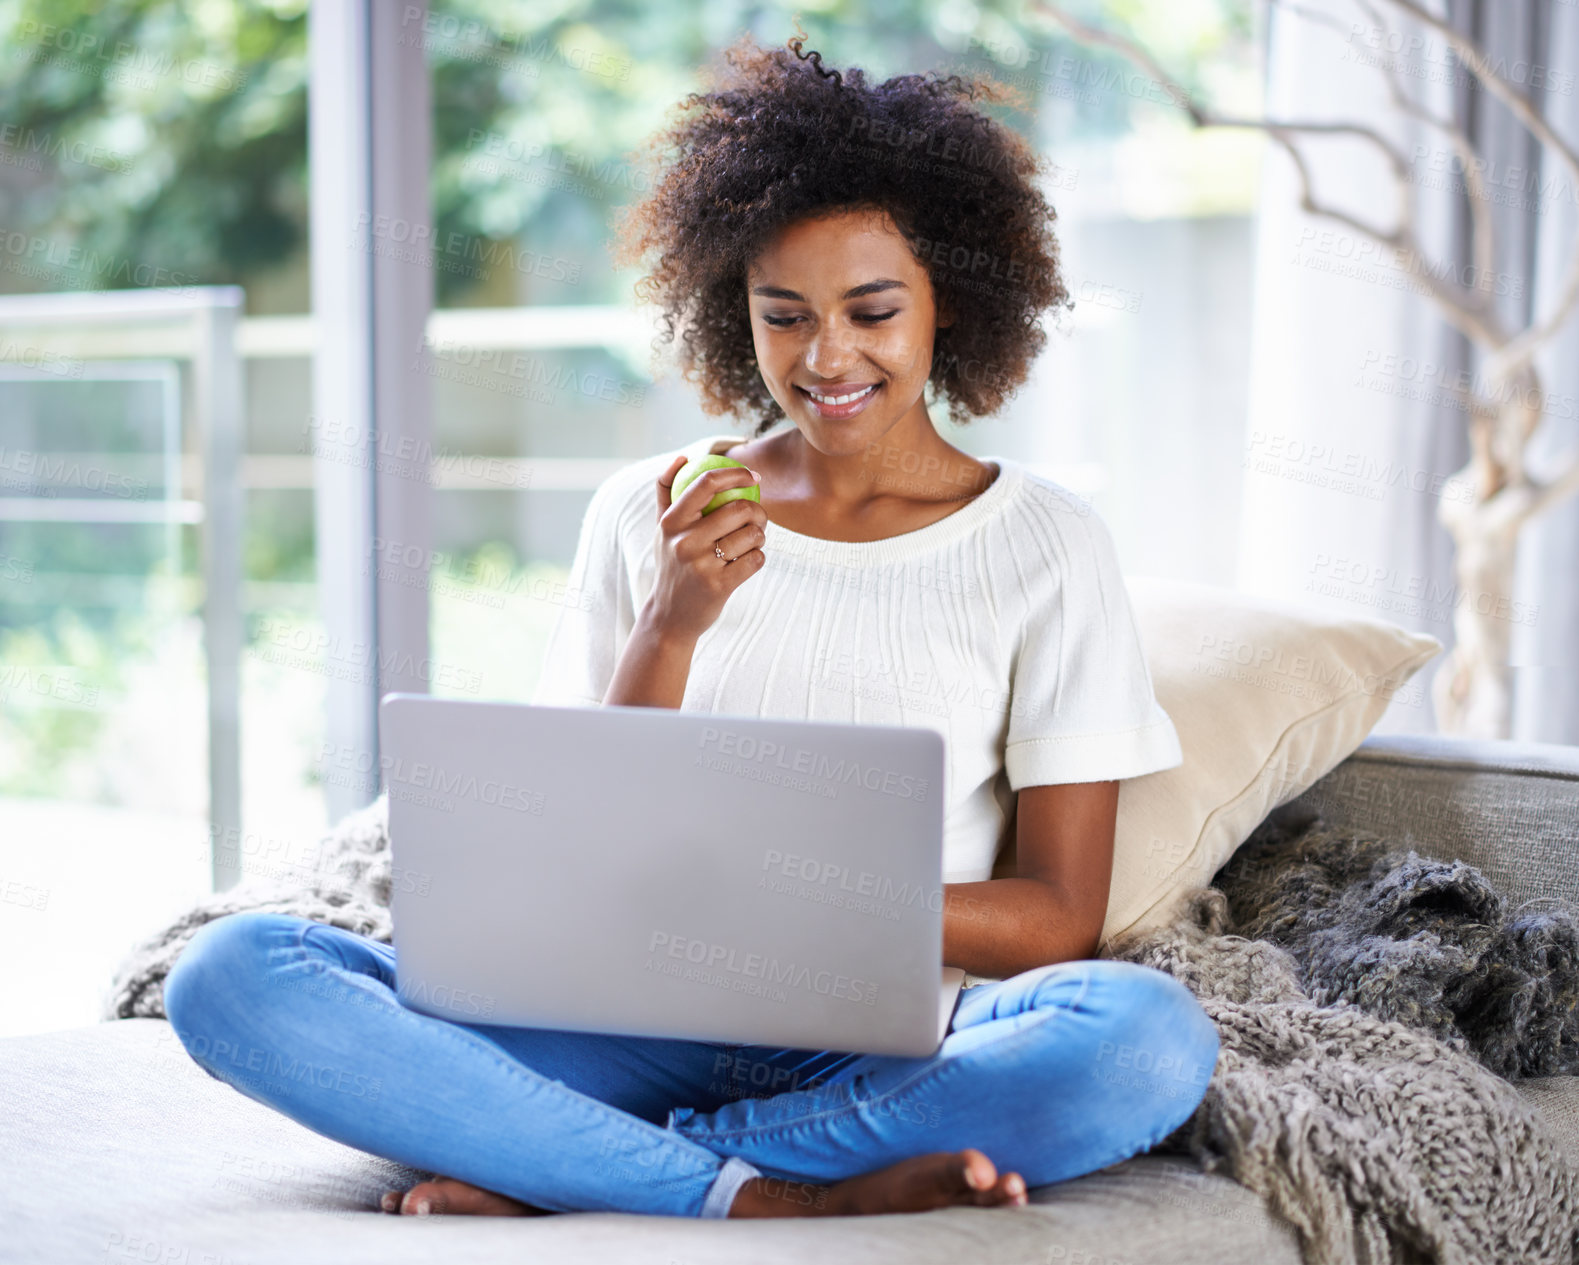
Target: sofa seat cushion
x: 128, y: 1152
x: 1557, y: 1100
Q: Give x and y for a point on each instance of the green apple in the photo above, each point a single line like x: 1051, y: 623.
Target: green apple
x: 713, y: 461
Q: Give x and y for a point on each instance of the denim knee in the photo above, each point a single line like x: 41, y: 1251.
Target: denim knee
x: 1154, y: 1033
x: 218, y: 964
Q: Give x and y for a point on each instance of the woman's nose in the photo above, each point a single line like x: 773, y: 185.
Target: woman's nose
x: 829, y: 352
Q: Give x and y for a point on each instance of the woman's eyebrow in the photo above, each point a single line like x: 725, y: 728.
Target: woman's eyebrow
x: 855, y: 292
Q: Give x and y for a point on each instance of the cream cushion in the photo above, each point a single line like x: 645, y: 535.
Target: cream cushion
x: 1267, y: 696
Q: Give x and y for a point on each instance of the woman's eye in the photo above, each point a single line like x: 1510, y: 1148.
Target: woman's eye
x: 869, y: 318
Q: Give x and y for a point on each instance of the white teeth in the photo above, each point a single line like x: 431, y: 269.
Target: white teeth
x: 841, y: 399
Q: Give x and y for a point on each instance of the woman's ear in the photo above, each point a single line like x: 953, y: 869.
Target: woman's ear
x: 945, y: 316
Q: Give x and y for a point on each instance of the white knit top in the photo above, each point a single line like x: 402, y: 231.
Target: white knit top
x: 1004, y: 625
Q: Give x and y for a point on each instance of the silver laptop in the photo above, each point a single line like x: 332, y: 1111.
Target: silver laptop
x: 653, y: 872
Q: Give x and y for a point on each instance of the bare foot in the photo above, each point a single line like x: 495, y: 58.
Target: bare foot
x: 940, y: 1180
x: 445, y: 1196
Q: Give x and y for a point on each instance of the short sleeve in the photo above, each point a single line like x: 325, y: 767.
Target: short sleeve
x: 1081, y: 702
x: 597, y: 613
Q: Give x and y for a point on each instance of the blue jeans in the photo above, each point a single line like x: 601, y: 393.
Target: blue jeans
x: 1057, y: 1072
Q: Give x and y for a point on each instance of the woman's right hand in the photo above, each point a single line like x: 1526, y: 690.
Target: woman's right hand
x: 693, y: 582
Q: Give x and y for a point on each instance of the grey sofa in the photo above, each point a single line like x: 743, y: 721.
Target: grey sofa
x: 118, y: 1148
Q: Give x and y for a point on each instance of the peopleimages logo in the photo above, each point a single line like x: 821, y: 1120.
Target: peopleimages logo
x: 429, y: 777
x: 812, y: 763
x: 828, y: 874
x: 438, y: 997
x: 421, y: 776
x: 709, y: 958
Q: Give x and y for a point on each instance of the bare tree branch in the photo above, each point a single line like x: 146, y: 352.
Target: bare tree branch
x: 1201, y: 116
x: 1474, y: 403
x: 1466, y: 312
x: 1483, y: 243
x: 1499, y: 87
x: 1389, y: 237
x: 1472, y: 693
x: 1519, y: 350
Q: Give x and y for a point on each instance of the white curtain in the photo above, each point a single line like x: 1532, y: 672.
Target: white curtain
x: 1352, y: 436
x: 1546, y: 698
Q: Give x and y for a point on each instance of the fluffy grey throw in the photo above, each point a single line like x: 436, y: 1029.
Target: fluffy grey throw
x: 1370, y: 1003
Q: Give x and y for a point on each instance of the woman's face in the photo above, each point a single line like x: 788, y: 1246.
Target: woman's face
x: 840, y: 307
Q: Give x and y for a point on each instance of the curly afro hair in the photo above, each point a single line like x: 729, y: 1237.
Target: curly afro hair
x: 778, y: 138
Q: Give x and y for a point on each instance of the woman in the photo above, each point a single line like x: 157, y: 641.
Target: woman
x: 830, y: 249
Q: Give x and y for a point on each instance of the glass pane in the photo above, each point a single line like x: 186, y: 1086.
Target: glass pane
x: 97, y: 614
x: 283, y: 681
x: 103, y: 694
x: 143, y: 148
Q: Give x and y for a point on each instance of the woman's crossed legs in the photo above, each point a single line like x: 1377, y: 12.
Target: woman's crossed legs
x: 1051, y: 1074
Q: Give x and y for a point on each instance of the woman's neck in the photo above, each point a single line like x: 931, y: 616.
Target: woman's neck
x: 886, y: 488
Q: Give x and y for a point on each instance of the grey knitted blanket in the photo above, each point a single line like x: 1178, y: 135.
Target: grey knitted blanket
x: 1371, y: 1003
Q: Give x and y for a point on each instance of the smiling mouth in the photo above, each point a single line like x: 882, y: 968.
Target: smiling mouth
x: 849, y: 397
x: 841, y: 403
